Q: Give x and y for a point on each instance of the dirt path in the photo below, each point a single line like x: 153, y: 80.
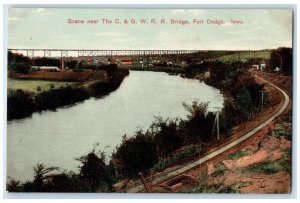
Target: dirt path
x: 265, y: 119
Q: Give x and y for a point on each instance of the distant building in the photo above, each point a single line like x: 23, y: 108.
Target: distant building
x: 126, y: 62
x: 184, y: 64
x: 255, y: 66
x: 262, y: 65
x: 277, y: 69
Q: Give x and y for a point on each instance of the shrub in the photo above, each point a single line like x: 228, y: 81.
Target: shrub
x: 282, y: 164
x: 199, y: 125
x: 94, y: 172
x: 244, y: 103
x: 239, y: 154
x: 167, y: 136
x: 19, y: 104
x: 100, y: 88
x: 134, y: 155
x: 283, y: 58
x: 18, y: 63
x: 60, y: 97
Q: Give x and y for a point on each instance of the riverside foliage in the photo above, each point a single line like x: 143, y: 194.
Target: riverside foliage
x: 154, y: 148
x: 21, y: 104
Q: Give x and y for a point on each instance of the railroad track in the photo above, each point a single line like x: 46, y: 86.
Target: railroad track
x: 168, y: 175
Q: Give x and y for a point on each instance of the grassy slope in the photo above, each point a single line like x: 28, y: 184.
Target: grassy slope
x: 31, y: 85
x: 244, y: 55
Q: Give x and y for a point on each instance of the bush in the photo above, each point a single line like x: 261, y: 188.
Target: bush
x: 60, y: 97
x: 18, y: 63
x: 244, y: 102
x: 94, y: 173
x: 100, y: 88
x: 239, y: 154
x: 167, y: 136
x: 20, y: 67
x: 282, y: 58
x: 134, y: 155
x: 199, y: 125
x: 94, y: 176
x: 44, y: 61
x: 115, y: 79
x: 19, y: 104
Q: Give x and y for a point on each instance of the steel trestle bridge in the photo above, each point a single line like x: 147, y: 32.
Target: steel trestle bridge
x: 96, y: 53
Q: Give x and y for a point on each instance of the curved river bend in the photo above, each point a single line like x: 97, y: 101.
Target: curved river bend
x: 56, y: 138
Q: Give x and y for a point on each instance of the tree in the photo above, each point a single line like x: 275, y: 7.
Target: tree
x: 282, y: 58
x: 167, y: 136
x: 244, y: 102
x: 199, y: 125
x: 134, y: 155
x: 18, y: 63
x: 40, y: 172
x: 19, y: 104
x: 94, y: 173
x: 44, y: 61
x: 39, y: 184
x: 14, y: 186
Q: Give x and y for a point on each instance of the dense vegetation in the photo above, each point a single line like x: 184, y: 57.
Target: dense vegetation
x: 94, y: 176
x: 44, y: 61
x: 282, y: 58
x: 158, y: 146
x: 21, y: 104
x: 18, y: 63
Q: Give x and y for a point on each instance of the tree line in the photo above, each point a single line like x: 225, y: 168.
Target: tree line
x: 21, y: 103
x: 141, y: 151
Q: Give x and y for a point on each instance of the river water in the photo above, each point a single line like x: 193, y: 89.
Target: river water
x: 57, y: 138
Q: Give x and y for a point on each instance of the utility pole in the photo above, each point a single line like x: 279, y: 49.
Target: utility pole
x: 218, y: 130
x: 262, y: 101
x: 217, y: 122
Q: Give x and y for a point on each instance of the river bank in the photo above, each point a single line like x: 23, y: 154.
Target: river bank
x: 21, y: 104
x: 187, y: 130
x: 73, y: 131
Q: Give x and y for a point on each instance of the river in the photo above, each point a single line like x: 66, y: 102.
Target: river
x: 56, y: 138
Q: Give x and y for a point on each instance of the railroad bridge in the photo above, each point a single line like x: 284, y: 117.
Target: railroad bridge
x: 97, y: 53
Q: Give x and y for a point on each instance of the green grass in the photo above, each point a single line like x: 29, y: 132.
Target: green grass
x: 283, y: 164
x: 280, y: 131
x: 218, y: 188
x: 220, y: 170
x: 244, y: 55
x: 32, y: 85
x: 239, y: 154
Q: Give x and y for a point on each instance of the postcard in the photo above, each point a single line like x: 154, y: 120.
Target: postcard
x: 124, y: 100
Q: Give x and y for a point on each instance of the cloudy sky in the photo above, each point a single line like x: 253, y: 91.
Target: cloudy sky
x: 49, y: 28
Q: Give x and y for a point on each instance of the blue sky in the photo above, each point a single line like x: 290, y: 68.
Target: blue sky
x: 49, y: 28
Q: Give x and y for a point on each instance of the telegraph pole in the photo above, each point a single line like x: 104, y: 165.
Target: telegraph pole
x: 217, y: 122
x: 262, y: 101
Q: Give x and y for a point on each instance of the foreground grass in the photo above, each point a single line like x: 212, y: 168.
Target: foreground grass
x: 239, y: 154
x: 32, y: 85
x: 218, y: 188
x: 272, y: 167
